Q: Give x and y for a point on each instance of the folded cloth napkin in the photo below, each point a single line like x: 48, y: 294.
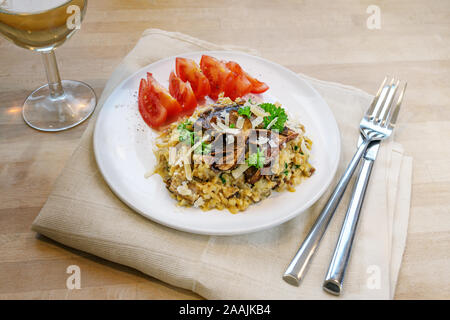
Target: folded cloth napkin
x: 83, y: 213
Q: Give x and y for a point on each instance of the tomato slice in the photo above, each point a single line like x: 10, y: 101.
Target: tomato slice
x: 238, y: 85
x: 154, y: 114
x: 160, y: 96
x: 256, y: 85
x: 182, y: 91
x: 189, y: 70
x: 217, y: 73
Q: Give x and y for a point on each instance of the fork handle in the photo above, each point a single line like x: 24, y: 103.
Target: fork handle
x: 335, y: 276
x: 297, y: 268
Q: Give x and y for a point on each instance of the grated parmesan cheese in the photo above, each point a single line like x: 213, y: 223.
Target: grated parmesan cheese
x: 240, y: 122
x: 185, y: 156
x: 304, y: 149
x: 216, y: 127
x: 257, y: 121
x: 199, y: 202
x: 258, y: 111
x: 236, y: 173
x: 184, y: 189
x: 272, y: 123
x: 227, y: 119
x: 223, y: 128
x: 172, y: 155
x: 272, y: 143
x: 188, y: 171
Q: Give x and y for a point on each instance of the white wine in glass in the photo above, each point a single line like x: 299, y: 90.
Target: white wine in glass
x: 43, y: 25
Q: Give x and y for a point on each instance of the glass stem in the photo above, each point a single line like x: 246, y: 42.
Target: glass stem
x: 53, y: 78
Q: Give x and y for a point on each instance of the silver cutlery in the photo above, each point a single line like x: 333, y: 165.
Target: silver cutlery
x: 334, y: 278
x: 374, y: 126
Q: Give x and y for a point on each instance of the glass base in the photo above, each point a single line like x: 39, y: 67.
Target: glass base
x: 43, y: 112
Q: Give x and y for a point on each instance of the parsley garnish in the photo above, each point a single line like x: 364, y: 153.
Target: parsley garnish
x: 275, y: 112
x: 186, y: 135
x: 204, y: 148
x: 232, y: 125
x: 245, y: 111
x: 286, y: 172
x: 184, y: 125
x: 222, y: 178
x: 256, y: 159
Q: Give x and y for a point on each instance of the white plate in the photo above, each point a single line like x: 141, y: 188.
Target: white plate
x: 123, y: 149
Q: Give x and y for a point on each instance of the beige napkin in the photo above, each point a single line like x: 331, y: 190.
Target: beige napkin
x: 83, y: 213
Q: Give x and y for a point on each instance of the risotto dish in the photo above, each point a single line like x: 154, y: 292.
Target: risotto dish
x: 232, y: 154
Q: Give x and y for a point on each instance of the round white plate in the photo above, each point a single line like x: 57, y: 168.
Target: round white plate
x: 123, y: 149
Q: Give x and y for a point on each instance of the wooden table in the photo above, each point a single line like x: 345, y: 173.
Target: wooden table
x: 325, y: 39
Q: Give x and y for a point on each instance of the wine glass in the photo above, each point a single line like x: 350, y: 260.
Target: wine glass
x: 43, y: 25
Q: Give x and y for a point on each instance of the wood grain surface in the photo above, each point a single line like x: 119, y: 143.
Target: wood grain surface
x: 326, y: 39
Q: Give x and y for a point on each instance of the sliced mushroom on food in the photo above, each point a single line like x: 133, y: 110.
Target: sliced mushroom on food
x: 217, y: 113
x: 252, y: 175
x: 289, y: 134
x: 231, y: 159
x: 228, y: 163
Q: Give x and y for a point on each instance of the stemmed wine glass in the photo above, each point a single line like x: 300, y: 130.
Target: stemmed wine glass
x: 43, y: 25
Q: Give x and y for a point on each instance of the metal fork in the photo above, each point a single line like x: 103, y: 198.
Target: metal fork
x: 374, y: 126
x: 334, y: 278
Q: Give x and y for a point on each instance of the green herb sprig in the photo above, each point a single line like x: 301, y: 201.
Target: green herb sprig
x: 186, y: 133
x: 245, y: 111
x: 275, y: 112
x: 256, y: 159
x: 204, y: 148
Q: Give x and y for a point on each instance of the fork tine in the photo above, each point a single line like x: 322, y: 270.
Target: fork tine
x: 381, y: 101
x: 387, y: 107
x: 375, y: 99
x: 392, y: 119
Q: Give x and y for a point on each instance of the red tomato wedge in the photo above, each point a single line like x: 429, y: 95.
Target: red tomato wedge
x: 189, y: 70
x: 238, y: 85
x: 217, y: 73
x: 160, y: 95
x: 154, y: 114
x: 156, y: 105
x: 183, y: 92
x: 256, y: 85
